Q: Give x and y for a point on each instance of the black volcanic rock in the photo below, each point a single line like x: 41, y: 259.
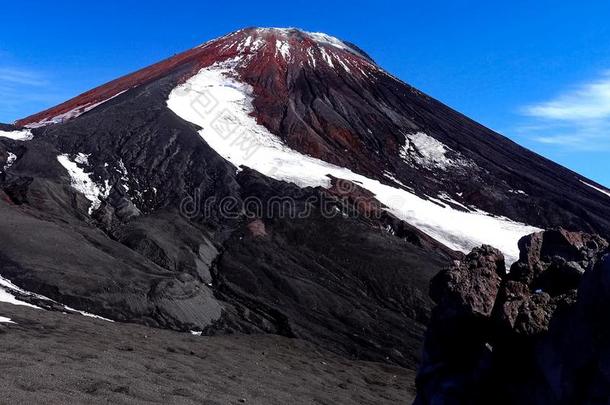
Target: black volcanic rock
x: 365, y: 286
x: 573, y: 355
x: 456, y: 351
x: 543, y: 343
x: 470, y: 286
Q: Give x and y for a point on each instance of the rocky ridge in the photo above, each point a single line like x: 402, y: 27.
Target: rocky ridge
x: 535, y: 335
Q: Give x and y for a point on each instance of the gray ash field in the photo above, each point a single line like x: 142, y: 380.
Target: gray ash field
x: 56, y: 358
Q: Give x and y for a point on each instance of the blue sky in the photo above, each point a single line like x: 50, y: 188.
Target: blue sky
x: 536, y: 71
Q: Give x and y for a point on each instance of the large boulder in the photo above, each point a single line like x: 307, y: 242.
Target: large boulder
x: 536, y: 335
x: 471, y: 285
x: 456, y: 352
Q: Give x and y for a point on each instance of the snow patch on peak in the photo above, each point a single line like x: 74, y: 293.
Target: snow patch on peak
x: 321, y: 39
x: 327, y: 57
x: 276, y: 30
x: 283, y: 48
x: 257, y: 44
x: 311, y: 57
x: 326, y: 39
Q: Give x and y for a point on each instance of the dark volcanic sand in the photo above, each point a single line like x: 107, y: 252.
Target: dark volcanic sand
x: 54, y: 358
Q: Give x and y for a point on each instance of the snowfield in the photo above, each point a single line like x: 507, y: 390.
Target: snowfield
x: 283, y: 48
x: 234, y: 134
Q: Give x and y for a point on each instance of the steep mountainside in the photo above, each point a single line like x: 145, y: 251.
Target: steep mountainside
x: 271, y: 180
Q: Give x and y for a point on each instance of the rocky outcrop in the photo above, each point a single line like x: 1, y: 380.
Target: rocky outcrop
x: 470, y: 287
x: 534, y: 335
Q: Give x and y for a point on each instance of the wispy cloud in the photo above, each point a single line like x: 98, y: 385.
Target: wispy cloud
x: 12, y: 75
x: 590, y: 101
x: 23, y: 91
x: 577, y: 118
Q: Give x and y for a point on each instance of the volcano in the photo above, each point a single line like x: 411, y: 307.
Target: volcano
x: 271, y: 181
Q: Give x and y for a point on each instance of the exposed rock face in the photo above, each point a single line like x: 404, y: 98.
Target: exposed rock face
x: 574, y: 354
x: 471, y: 286
x: 536, y: 335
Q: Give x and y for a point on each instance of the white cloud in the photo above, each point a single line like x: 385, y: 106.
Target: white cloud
x: 23, y: 91
x: 11, y: 75
x: 577, y: 118
x: 589, y: 101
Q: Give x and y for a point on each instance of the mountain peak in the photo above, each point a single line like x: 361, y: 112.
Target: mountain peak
x: 290, y: 41
x: 255, y: 48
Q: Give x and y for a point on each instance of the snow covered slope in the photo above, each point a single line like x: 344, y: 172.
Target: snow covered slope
x: 235, y: 127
